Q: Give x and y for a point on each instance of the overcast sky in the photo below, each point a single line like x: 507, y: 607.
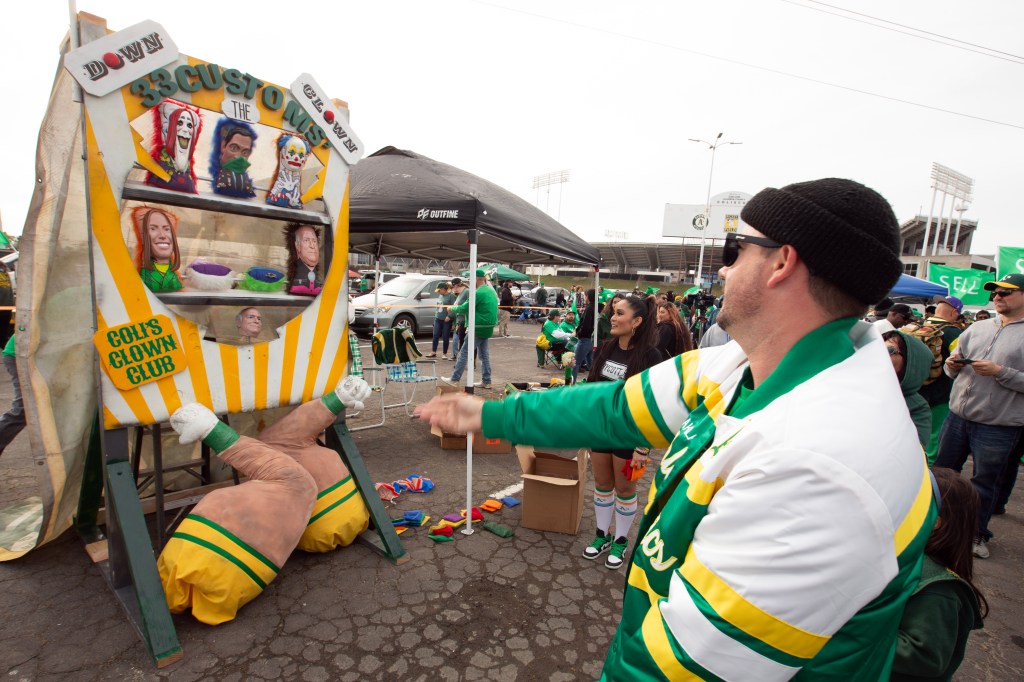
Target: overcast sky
x: 612, y: 91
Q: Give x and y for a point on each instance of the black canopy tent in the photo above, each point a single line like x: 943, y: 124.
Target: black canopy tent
x: 405, y: 204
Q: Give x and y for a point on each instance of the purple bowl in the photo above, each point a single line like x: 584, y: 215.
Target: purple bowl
x: 205, y: 268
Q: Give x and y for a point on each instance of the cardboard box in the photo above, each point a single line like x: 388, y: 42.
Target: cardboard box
x: 457, y: 441
x: 552, y: 490
x: 481, y: 445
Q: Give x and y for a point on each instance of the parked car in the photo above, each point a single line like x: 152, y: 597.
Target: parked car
x: 528, y: 297
x: 406, y: 301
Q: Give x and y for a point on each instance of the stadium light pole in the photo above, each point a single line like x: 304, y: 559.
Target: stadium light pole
x: 707, y: 204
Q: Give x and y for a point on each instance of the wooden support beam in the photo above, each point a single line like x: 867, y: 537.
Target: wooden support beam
x: 387, y: 543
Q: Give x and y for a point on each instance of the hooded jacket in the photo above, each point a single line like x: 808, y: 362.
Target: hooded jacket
x: 918, y: 362
x: 924, y: 651
x: 486, y: 311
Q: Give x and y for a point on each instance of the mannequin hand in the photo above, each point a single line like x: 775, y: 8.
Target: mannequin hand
x: 193, y: 422
x: 352, y: 392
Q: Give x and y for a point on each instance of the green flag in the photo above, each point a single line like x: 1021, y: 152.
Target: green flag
x: 4, y: 241
x: 1010, y: 259
x: 691, y: 290
x: 966, y: 284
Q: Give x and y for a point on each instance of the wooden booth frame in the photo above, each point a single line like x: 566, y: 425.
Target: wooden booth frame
x: 309, y: 357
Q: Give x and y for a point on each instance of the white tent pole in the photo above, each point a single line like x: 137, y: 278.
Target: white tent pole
x: 470, y: 352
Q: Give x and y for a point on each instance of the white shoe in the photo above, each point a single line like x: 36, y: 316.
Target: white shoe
x: 980, y: 549
x: 448, y: 380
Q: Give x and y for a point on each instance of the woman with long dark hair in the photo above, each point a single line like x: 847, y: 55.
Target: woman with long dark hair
x: 673, y: 336
x: 631, y: 349
x: 947, y: 604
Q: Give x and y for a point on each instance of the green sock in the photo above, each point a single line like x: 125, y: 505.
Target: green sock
x: 221, y: 438
x: 332, y: 402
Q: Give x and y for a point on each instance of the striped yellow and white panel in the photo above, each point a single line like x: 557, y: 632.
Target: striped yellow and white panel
x: 310, y: 355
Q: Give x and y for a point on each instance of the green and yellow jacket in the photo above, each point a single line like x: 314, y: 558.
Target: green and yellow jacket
x: 781, y: 538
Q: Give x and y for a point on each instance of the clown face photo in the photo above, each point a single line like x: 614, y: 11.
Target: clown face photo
x: 178, y: 125
x: 293, y: 152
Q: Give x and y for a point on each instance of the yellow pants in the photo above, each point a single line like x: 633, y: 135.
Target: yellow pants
x: 230, y: 572
x: 339, y: 515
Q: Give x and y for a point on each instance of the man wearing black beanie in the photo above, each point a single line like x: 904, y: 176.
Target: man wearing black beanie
x: 781, y: 537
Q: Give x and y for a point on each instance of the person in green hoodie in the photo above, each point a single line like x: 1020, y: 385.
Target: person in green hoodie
x: 912, y: 360
x: 946, y: 605
x: 483, y: 326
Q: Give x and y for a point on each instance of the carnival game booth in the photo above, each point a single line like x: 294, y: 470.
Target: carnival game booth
x: 188, y: 259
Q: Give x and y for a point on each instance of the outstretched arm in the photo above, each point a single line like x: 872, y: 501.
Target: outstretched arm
x: 646, y: 410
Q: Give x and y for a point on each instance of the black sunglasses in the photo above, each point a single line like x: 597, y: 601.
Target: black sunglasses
x: 1003, y: 292
x: 731, y: 250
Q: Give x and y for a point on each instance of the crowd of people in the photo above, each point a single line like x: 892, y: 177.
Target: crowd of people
x: 781, y: 536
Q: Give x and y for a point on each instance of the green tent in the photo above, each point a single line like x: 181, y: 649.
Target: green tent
x: 500, y: 272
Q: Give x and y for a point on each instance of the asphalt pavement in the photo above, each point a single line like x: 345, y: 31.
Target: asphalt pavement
x: 479, y: 608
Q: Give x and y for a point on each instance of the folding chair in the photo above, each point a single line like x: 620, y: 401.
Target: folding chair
x: 395, y: 350
x: 377, y: 384
x: 554, y: 355
x: 408, y: 374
